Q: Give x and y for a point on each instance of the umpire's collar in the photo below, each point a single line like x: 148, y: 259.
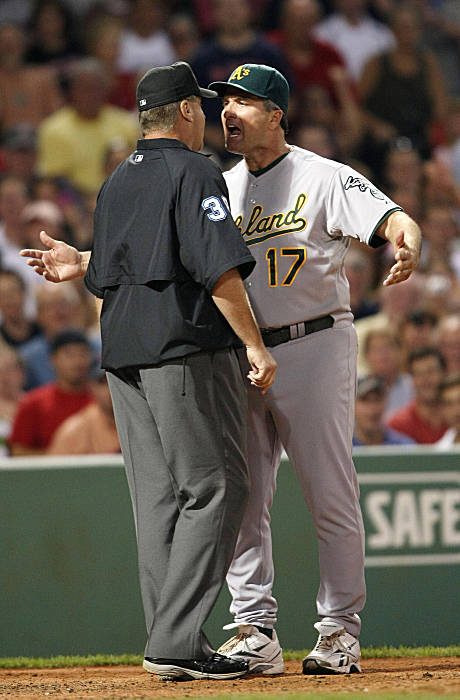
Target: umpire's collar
x: 143, y: 144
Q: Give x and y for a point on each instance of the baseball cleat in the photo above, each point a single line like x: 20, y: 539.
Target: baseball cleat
x: 264, y: 655
x: 216, y: 667
x: 336, y: 651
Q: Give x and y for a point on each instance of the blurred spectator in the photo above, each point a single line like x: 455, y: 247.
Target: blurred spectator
x: 395, y: 301
x: 360, y: 274
x: 15, y: 328
x: 449, y: 393
x: 92, y: 430
x: 19, y: 153
x: 422, y: 419
x: 310, y: 60
x: 11, y: 383
x: 145, y: 43
x: 27, y: 93
x: 73, y: 141
x: 417, y: 330
x: 234, y: 43
x: 317, y: 138
x: 13, y: 199
x: 103, y: 39
x: 41, y: 411
x: 58, y: 308
x: 382, y: 353
x: 440, y: 245
x: 403, y: 90
x: 52, y: 33
x: 357, y: 36
x: 184, y: 35
x: 340, y: 114
x: 369, y: 409
x: 448, y: 153
x: 403, y: 169
x: 442, y: 35
x: 449, y: 341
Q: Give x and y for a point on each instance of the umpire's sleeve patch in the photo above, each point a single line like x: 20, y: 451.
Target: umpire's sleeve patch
x: 214, y: 208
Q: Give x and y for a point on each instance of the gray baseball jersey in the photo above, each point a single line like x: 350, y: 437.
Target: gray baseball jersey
x: 297, y: 217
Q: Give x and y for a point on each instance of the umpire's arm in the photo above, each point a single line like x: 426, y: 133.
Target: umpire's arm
x: 405, y: 236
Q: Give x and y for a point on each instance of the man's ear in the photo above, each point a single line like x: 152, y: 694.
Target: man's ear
x: 275, y: 118
x: 185, y: 110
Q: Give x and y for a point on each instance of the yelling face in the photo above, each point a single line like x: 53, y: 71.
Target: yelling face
x: 245, y: 121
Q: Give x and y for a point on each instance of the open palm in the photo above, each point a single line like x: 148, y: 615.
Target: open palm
x: 59, y: 263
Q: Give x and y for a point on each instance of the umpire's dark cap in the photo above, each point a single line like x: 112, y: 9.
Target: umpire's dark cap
x: 71, y: 336
x: 259, y: 80
x: 166, y: 84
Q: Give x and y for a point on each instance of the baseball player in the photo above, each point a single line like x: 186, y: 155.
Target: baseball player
x: 297, y: 213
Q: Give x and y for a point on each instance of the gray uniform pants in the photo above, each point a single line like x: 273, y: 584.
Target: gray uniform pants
x: 309, y: 411
x: 182, y: 428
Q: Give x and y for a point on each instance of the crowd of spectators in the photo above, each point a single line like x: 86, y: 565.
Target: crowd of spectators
x: 374, y: 83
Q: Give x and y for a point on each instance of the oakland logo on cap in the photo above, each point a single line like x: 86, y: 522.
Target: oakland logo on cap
x: 240, y: 73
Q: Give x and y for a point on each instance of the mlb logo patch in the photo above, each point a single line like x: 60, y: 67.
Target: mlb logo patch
x: 142, y: 103
x: 138, y: 158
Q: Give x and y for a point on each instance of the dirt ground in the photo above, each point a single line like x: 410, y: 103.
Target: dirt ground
x: 415, y: 677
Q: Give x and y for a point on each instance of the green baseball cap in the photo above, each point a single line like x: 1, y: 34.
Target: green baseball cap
x: 259, y: 80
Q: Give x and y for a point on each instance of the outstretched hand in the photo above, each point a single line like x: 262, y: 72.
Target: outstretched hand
x: 58, y: 263
x: 406, y: 259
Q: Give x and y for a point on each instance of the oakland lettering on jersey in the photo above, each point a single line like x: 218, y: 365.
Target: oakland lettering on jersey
x: 259, y: 227
x: 363, y: 186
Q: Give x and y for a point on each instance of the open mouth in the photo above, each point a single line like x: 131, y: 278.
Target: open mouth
x: 233, y: 131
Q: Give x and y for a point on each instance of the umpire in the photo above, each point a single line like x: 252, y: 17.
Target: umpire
x: 168, y: 262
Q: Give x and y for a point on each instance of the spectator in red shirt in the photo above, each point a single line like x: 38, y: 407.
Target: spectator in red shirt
x: 422, y: 418
x: 42, y: 410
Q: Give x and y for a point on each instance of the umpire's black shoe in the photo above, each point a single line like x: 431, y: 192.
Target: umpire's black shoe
x: 217, y: 667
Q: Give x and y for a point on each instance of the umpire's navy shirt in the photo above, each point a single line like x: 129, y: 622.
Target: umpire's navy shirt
x: 163, y: 235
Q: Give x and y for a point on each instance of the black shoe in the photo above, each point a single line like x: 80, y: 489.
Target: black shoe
x: 216, y: 666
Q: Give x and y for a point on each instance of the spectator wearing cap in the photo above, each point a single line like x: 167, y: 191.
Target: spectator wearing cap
x: 19, y: 152
x: 40, y: 215
x: 91, y: 430
x: 449, y: 393
x: 422, y: 419
x: 41, y: 411
x: 73, y: 142
x: 369, y: 411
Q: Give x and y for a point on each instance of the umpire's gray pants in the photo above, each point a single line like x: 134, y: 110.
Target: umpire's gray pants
x: 182, y: 429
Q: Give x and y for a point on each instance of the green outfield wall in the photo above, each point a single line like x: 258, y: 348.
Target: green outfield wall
x: 68, y: 581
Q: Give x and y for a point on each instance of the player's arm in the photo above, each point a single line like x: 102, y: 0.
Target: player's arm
x: 60, y: 262
x: 231, y: 299
x: 406, y: 238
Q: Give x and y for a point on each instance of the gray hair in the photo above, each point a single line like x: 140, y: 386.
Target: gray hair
x: 161, y: 118
x: 270, y: 106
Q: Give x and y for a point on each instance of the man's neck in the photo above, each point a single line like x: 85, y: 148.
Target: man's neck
x: 262, y: 157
